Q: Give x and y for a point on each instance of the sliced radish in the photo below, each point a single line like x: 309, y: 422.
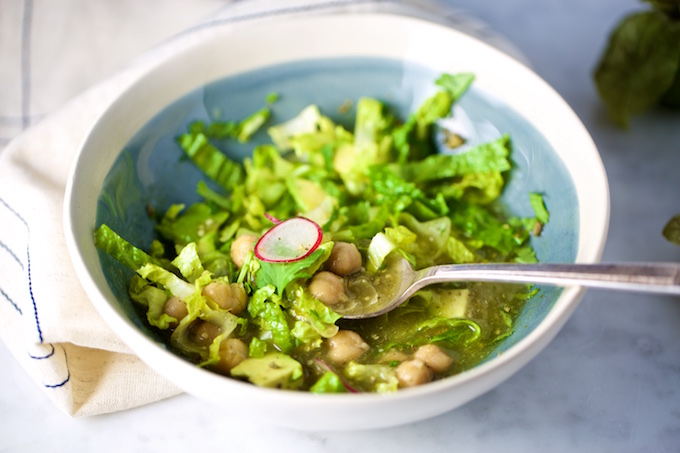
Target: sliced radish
x: 272, y: 219
x: 288, y: 241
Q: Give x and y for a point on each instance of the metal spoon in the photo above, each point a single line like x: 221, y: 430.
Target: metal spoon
x: 662, y: 278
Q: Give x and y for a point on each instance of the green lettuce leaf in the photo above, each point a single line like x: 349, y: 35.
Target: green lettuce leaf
x: 190, y: 225
x: 379, y: 378
x: 240, y: 130
x: 329, y: 382
x: 475, y: 223
x: 257, y: 348
x: 188, y: 262
x: 306, y: 122
x: 129, y: 255
x: 210, y: 195
x: 399, y: 194
x: 450, y: 332
x: 431, y: 237
x: 480, y: 188
x: 378, y: 250
x: 305, y: 334
x: 252, y: 124
x: 154, y: 299
x: 484, y: 158
x: 175, y: 285
x: 210, y: 160
x: 456, y: 84
x: 538, y: 205
x: 306, y: 308
x: 265, y: 308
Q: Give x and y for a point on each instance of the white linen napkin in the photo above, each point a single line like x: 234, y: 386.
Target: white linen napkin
x: 46, y: 320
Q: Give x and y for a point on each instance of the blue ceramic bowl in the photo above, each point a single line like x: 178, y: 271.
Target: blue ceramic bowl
x: 131, y: 160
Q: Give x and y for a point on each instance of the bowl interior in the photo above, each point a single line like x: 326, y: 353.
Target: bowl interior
x: 151, y: 169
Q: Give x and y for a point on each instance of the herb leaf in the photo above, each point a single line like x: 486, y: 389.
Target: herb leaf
x: 281, y: 274
x: 639, y: 65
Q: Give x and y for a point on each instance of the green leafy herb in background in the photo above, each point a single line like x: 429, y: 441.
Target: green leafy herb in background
x: 641, y: 66
x: 672, y: 230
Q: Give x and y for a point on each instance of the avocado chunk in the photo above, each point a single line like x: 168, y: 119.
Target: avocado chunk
x: 275, y: 370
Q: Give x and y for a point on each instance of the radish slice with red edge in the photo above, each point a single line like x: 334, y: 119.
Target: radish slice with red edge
x: 289, y: 241
x: 272, y: 219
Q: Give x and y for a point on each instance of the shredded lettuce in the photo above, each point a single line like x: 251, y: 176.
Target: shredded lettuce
x: 329, y: 382
x: 216, y: 165
x: 538, y: 204
x: 188, y: 262
x: 154, y: 299
x: 305, y: 122
x: 265, y: 308
x: 191, y: 224
x: 306, y: 308
x: 378, y: 378
x: 382, y: 184
x: 484, y: 158
x: 456, y: 84
x: 450, y: 331
x: 129, y: 255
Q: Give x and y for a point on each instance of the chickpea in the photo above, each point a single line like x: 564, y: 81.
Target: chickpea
x: 434, y: 357
x: 240, y: 248
x: 176, y: 308
x: 230, y: 297
x: 412, y: 373
x: 328, y: 288
x: 346, y: 345
x: 345, y: 259
x: 232, y: 352
x: 203, y: 333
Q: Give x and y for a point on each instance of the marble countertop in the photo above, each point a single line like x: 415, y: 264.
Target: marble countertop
x: 606, y: 383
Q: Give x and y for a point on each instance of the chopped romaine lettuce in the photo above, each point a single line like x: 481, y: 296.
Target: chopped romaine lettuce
x: 305, y: 122
x: 211, y: 161
x: 265, y: 308
x: 188, y: 262
x: 538, y: 204
x: 329, y: 382
x: 374, y: 377
x: 109, y: 241
x: 380, y: 185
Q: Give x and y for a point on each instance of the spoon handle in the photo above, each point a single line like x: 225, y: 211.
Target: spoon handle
x: 663, y: 278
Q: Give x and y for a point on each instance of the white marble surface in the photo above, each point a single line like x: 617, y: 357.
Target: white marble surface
x: 608, y: 382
